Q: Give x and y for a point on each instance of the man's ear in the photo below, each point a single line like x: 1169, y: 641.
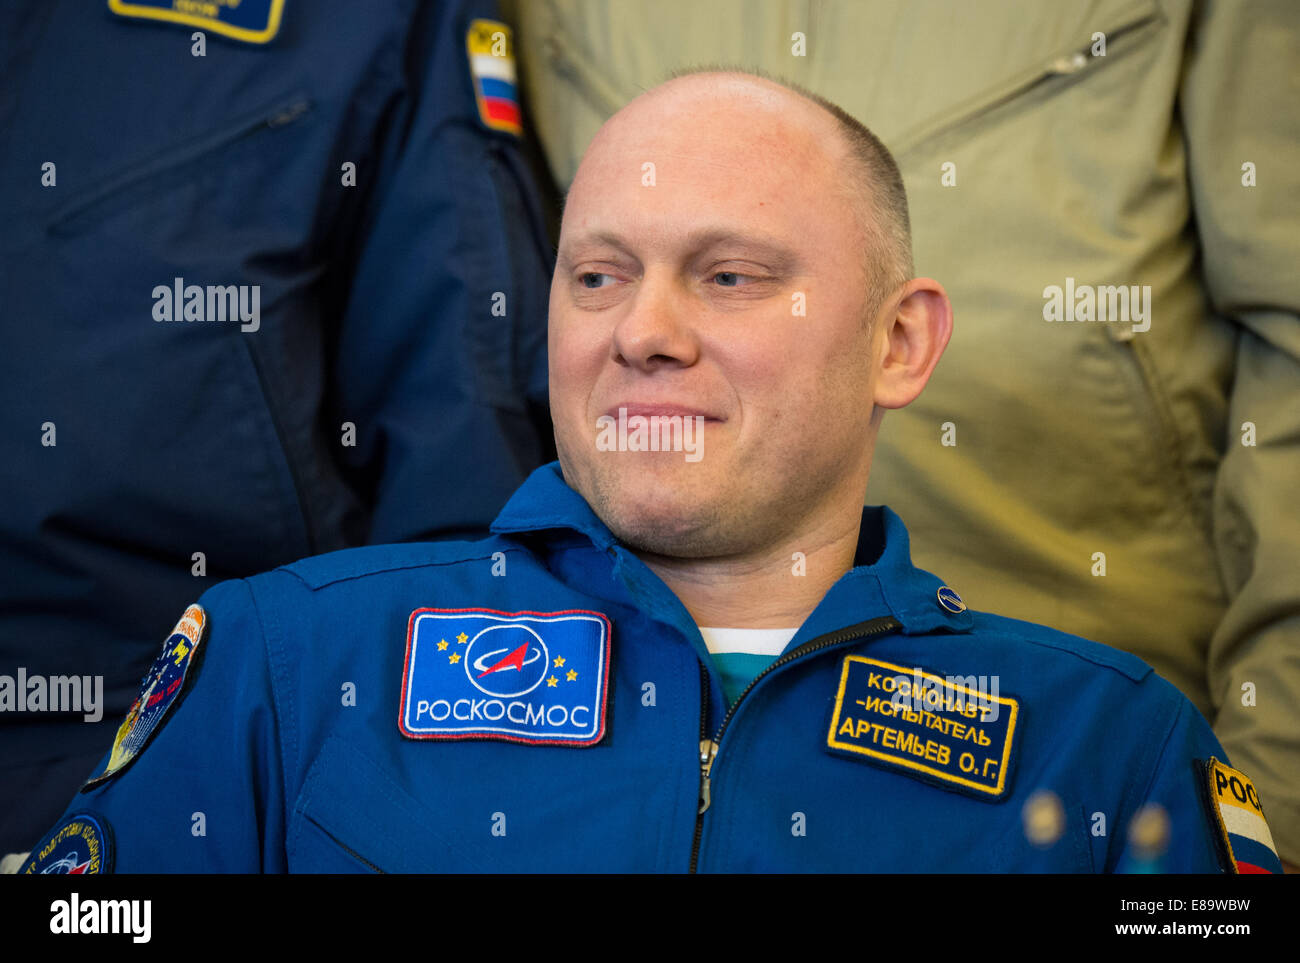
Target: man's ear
x: 911, y: 331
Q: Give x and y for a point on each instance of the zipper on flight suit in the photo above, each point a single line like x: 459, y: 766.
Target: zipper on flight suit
x: 709, y: 747
x: 348, y: 849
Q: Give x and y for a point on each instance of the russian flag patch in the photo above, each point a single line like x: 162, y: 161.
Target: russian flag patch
x: 533, y: 677
x: 1243, y: 834
x: 492, y: 69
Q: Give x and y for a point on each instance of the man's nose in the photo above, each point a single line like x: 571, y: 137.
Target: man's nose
x: 658, y: 328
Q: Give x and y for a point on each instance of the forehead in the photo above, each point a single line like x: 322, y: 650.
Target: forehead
x: 739, y: 157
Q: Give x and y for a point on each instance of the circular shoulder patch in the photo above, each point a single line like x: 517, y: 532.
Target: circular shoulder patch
x: 80, y: 845
x: 162, y: 686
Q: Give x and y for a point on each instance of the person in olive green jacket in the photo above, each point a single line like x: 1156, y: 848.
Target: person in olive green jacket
x: 1109, y: 191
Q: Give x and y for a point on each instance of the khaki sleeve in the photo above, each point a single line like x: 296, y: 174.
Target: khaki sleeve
x: 1238, y: 102
x: 568, y: 93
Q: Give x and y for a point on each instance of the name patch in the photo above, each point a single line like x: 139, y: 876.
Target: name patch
x: 533, y: 677
x: 80, y: 845
x: 945, y: 731
x: 162, y: 686
x: 251, y: 21
x: 1241, y: 832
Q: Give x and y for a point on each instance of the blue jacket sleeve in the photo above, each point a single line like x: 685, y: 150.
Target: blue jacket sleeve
x: 205, y: 794
x: 441, y: 356
x: 1185, y: 843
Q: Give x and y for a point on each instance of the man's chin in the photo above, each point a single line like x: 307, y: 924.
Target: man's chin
x: 675, y: 537
x: 647, y: 515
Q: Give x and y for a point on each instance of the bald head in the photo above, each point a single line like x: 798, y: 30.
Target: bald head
x: 867, y: 179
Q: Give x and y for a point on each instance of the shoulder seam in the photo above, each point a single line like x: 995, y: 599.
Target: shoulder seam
x: 285, y: 730
x: 1159, y: 757
x: 1049, y: 643
x: 428, y: 563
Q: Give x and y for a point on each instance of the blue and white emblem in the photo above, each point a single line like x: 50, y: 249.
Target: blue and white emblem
x: 534, y: 677
x: 79, y: 845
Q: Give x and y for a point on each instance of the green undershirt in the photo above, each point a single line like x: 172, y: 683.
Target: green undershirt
x: 737, y: 670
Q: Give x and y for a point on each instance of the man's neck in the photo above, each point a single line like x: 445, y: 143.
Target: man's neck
x: 776, y: 588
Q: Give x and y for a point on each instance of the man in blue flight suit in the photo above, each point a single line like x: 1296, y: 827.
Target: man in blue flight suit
x: 274, y: 277
x: 596, y: 686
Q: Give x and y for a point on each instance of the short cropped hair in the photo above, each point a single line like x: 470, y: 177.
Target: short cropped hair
x: 875, y: 187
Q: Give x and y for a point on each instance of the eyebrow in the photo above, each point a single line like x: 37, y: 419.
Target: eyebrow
x: 759, y: 244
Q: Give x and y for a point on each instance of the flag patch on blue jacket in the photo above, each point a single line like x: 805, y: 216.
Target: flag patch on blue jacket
x: 534, y: 677
x: 491, y: 54
x: 1242, y: 834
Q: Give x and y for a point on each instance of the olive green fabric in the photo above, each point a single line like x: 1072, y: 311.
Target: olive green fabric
x: 1071, y: 438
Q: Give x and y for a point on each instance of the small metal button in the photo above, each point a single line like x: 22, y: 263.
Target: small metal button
x: 950, y: 600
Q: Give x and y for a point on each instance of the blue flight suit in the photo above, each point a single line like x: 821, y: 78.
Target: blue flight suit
x: 297, y: 744
x: 403, y: 297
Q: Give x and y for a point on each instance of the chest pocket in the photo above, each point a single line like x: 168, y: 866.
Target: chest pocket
x: 352, y: 816
x: 1036, y: 76
x: 203, y: 161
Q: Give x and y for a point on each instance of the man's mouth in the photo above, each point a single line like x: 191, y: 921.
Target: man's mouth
x: 631, y: 409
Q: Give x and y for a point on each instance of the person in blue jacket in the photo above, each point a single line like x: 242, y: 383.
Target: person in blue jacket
x: 273, y: 277
x: 686, y: 645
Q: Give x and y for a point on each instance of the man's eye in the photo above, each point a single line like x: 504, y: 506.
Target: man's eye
x: 730, y: 279
x: 593, y: 280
